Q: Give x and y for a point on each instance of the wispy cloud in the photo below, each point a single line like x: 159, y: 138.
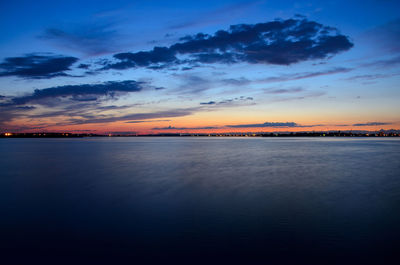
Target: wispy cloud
x: 270, y: 125
x: 95, y: 36
x: 304, y: 75
x: 242, y: 81
x: 193, y: 83
x: 186, y: 128
x: 228, y: 101
x: 144, y: 121
x: 372, y: 124
x: 135, y: 116
x: 385, y: 63
x: 253, y: 125
x: 219, y: 15
x: 370, y: 77
x: 385, y: 36
x: 284, y: 90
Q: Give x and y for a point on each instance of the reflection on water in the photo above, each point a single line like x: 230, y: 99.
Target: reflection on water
x: 199, y: 200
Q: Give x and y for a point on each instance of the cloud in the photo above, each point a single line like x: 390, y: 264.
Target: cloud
x: 242, y: 81
x: 83, y: 66
x: 77, y: 101
x: 87, y: 113
x: 12, y: 112
x: 155, y: 57
x: 83, y: 110
x: 236, y: 81
x: 186, y: 128
x: 217, y: 16
x: 384, y: 63
x: 386, y: 36
x: 142, y: 121
x: 208, y: 103
x: 91, y: 38
x: 268, y: 124
x: 196, y: 84
x: 193, y: 83
x: 255, y: 125
x: 304, y: 75
x: 85, y: 92
x: 37, y: 66
x: 226, y: 101
x: 284, y: 90
x: 19, y: 128
x: 372, y: 124
x: 280, y: 42
x: 114, y: 107
x: 136, y: 116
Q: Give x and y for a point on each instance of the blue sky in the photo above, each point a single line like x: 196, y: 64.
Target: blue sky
x: 152, y: 66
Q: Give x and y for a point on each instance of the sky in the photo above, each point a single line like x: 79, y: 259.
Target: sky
x: 199, y: 66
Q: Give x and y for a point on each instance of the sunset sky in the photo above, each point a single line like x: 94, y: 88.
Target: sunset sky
x: 199, y: 66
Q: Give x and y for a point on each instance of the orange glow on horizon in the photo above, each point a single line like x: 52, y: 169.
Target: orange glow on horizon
x: 149, y: 128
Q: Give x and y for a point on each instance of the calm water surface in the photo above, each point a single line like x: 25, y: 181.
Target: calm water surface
x: 200, y: 201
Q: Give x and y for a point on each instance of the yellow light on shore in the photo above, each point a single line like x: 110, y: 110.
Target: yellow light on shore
x: 8, y: 134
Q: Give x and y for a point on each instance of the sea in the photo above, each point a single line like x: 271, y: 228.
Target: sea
x: 200, y: 200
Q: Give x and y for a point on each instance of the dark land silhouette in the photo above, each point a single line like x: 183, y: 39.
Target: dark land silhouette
x: 381, y: 133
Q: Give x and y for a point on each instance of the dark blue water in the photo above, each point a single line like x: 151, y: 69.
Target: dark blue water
x: 200, y: 201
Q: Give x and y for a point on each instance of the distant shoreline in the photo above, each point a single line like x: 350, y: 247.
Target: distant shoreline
x: 286, y: 134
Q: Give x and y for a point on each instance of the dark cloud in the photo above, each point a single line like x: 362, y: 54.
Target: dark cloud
x: 168, y: 35
x: 37, y: 66
x: 208, y: 103
x: 83, y: 66
x: 85, y: 92
x: 11, y: 112
x: 268, y: 124
x: 241, y: 98
x: 19, y: 128
x: 7, y: 115
x: 186, y: 68
x: 372, y: 124
x: 281, y: 42
x: 156, y: 58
